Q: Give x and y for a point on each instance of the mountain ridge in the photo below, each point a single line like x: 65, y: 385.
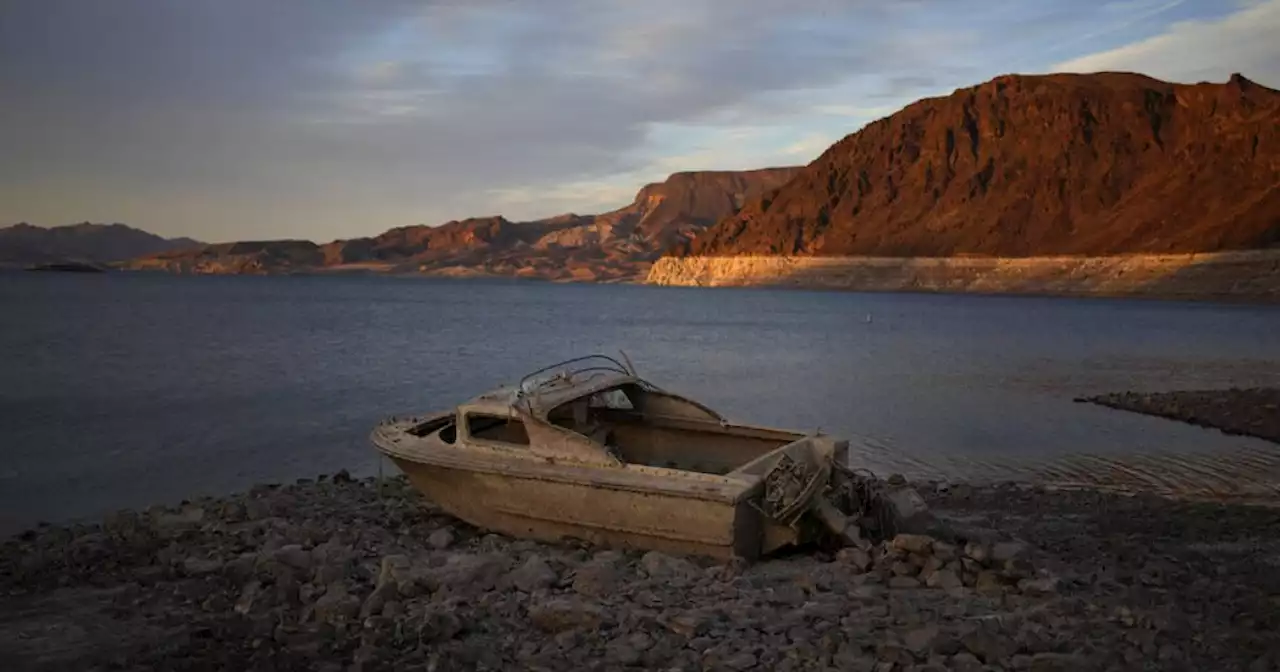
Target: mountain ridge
x: 1033, y: 165
x: 24, y: 244
x: 611, y: 246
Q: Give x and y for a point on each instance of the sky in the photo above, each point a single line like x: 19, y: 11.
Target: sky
x: 322, y: 119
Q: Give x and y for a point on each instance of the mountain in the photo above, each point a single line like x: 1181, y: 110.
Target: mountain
x: 615, y: 245
x: 25, y: 245
x: 1020, y: 166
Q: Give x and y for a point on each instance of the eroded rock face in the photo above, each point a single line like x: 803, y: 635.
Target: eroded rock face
x: 1095, y: 164
x: 611, y: 246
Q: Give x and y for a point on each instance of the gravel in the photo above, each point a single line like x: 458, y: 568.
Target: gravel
x: 339, y: 574
x: 1241, y: 411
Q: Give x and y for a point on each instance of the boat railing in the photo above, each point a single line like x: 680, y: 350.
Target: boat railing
x: 569, y: 369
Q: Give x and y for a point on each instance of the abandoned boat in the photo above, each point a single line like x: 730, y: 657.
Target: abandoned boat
x: 587, y: 449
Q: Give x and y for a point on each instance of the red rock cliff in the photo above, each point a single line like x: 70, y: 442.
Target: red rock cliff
x: 1034, y: 165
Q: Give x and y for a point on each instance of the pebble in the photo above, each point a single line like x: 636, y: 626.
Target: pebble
x: 534, y: 575
x: 945, y: 579
x: 344, y: 574
x: 904, y: 582
x: 440, y: 539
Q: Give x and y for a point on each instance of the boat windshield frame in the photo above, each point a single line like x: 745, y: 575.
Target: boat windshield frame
x: 564, y: 372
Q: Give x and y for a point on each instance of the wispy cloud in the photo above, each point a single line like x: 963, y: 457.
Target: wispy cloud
x: 1245, y: 41
x: 1126, y: 14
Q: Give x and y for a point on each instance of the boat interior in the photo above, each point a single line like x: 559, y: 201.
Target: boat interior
x: 653, y: 429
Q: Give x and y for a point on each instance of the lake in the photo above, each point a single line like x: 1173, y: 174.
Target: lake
x: 123, y: 390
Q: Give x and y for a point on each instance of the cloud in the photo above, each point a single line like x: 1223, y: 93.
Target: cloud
x: 330, y: 118
x: 1244, y: 41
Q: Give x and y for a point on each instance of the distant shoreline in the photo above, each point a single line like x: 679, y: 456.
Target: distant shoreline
x: 1225, y: 297
x: 1251, y: 276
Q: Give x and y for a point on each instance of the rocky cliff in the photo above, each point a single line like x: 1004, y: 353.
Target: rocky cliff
x: 85, y: 243
x: 1019, y: 166
x: 617, y: 245
x: 1251, y: 275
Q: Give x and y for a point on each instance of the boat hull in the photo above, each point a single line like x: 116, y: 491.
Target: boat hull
x: 550, y: 509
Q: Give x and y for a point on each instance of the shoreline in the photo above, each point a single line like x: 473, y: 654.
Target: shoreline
x: 1226, y: 299
x: 338, y: 573
x: 1253, y: 412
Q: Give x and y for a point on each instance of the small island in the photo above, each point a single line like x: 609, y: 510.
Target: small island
x: 68, y: 267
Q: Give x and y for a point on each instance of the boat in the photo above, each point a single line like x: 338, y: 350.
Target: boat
x: 587, y: 449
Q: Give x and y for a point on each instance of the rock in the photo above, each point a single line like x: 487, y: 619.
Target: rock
x: 327, y: 574
x: 913, y: 543
x: 920, y: 640
x: 640, y: 641
x: 376, y: 601
x: 945, y: 579
x: 1004, y: 551
x: 242, y: 567
x: 740, y: 661
x: 440, y: 539
x: 187, y: 518
x: 906, y: 512
x: 944, y: 551
x: 868, y: 591
x: 463, y: 572
x: 903, y: 568
x: 988, y: 582
x: 689, y: 624
x: 249, y: 596
x: 439, y: 622
x: 857, y: 559
x: 256, y: 509
x: 337, y: 605
x: 294, y: 556
x: 851, y: 659
x: 1045, y: 585
x: 597, y: 578
x: 396, y: 571
x: 904, y: 582
x: 201, y: 566
x: 989, y: 646
x: 620, y: 651
x: 930, y: 565
x: 1057, y: 662
x: 660, y: 565
x: 965, y: 662
x: 534, y: 575
x: 564, y: 614
x: 977, y: 551
x: 790, y: 595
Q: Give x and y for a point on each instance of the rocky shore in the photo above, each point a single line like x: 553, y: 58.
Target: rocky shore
x: 340, y: 574
x: 1247, y: 412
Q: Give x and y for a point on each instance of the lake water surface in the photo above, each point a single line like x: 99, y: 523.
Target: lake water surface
x: 122, y: 390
